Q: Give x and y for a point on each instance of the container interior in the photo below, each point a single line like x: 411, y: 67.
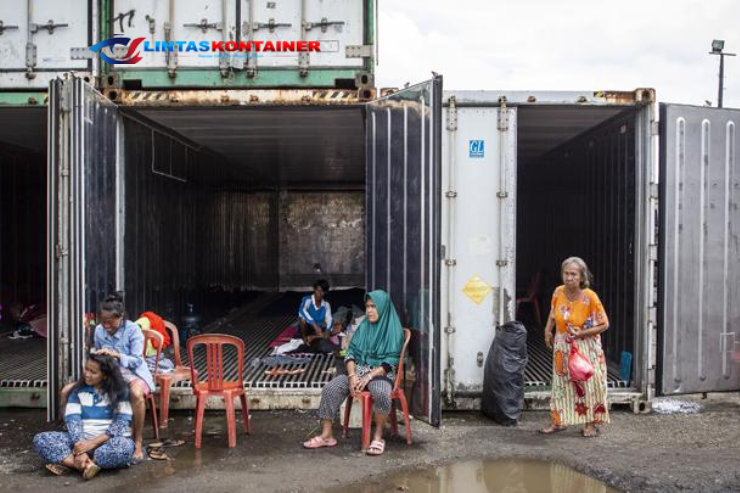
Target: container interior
x: 237, y: 212
x: 576, y: 197
x: 22, y: 244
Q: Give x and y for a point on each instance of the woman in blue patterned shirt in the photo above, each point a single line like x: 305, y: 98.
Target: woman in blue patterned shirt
x: 98, y: 418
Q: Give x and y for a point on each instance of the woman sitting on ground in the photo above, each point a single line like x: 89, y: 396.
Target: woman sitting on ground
x: 98, y: 418
x: 371, y: 361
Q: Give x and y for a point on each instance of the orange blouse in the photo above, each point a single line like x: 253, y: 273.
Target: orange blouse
x: 580, y: 314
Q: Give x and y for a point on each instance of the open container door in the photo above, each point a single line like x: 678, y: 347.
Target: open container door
x: 699, y: 268
x: 403, y: 216
x: 82, y: 222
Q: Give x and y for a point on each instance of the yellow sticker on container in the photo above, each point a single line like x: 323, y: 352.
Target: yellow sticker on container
x: 476, y: 289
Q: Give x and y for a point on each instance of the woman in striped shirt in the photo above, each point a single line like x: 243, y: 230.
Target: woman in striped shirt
x: 98, y: 418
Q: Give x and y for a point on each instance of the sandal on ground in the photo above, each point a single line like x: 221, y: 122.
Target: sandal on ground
x: 318, y: 442
x: 377, y: 447
x: 57, y: 469
x: 590, y: 434
x: 552, y: 429
x: 156, y: 453
x: 167, y: 443
x: 91, y: 471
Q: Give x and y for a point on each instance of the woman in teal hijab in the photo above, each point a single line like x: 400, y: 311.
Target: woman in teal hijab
x: 371, y: 361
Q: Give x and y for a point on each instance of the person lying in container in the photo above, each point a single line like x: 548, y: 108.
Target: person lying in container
x: 314, y: 317
x: 579, y: 319
x: 371, y: 361
x: 98, y: 418
x: 122, y: 340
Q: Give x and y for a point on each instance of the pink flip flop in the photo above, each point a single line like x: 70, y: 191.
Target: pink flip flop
x: 377, y: 447
x: 318, y: 442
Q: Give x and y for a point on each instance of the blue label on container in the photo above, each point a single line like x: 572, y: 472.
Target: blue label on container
x: 477, y: 148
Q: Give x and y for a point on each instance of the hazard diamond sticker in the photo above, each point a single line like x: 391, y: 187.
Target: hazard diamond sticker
x: 476, y: 289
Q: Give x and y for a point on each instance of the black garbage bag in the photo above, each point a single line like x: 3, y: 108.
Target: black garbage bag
x: 503, y: 378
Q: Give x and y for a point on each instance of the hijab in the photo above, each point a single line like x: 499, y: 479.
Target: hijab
x: 381, y: 342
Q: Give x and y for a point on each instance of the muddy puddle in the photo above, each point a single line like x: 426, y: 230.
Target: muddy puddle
x: 498, y: 476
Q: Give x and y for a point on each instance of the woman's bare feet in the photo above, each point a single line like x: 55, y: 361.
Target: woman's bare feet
x: 590, y: 431
x: 138, y: 453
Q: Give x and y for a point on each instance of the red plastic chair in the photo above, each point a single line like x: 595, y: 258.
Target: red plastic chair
x: 216, y: 386
x: 532, y: 297
x: 166, y: 380
x: 149, y: 397
x: 366, y: 400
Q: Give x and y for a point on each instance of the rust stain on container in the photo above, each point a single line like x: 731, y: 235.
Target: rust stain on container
x: 246, y: 97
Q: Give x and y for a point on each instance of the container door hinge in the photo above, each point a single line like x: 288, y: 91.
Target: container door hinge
x: 502, y: 263
x: 359, y: 51
x: 503, y: 115
x: 324, y: 24
x: 30, y: 60
x: 654, y: 128
x: 204, y: 25
x: 271, y: 25
x: 451, y: 194
x: 82, y: 53
x: 4, y: 28
x: 60, y: 252
x: 450, y: 262
x: 49, y: 26
x: 502, y: 195
x: 654, y: 191
x: 452, y: 114
x: 450, y: 330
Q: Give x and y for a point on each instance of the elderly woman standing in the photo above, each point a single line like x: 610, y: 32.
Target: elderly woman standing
x: 372, y: 359
x: 579, y: 318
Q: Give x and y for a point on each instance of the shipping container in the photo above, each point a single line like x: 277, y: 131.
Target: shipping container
x: 455, y: 203
x: 42, y: 39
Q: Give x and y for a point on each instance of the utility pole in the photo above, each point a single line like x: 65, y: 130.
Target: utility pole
x: 718, y: 45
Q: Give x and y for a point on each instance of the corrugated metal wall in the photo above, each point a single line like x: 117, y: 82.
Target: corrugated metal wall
x: 579, y: 200
x: 22, y: 227
x: 161, y: 233
x: 322, y: 235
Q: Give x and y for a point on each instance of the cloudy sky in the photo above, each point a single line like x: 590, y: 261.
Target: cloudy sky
x: 563, y: 45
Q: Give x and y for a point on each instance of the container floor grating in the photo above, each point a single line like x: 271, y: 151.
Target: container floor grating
x: 22, y: 363
x: 257, y: 331
x: 539, y: 368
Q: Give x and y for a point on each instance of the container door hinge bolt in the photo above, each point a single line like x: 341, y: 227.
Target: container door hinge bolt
x: 4, y: 28
x: 502, y: 263
x: 502, y: 195
x: 450, y: 262
x: 450, y: 330
x: 60, y: 252
x: 49, y: 26
x: 323, y: 24
x: 204, y: 25
x: 451, y: 194
x: 271, y: 25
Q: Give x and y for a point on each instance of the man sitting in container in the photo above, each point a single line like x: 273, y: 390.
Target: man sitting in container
x: 314, y: 315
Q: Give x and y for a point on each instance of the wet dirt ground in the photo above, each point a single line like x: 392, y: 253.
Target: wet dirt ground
x: 697, y: 452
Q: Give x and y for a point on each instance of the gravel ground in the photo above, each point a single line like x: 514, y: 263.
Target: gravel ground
x: 696, y: 452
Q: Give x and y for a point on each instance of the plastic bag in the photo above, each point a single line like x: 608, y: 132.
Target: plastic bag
x: 503, y: 379
x: 580, y: 368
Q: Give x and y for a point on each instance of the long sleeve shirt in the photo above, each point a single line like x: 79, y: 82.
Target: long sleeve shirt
x: 128, y: 341
x: 89, y: 414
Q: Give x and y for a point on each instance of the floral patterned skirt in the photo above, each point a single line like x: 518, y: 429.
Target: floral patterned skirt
x: 569, y: 404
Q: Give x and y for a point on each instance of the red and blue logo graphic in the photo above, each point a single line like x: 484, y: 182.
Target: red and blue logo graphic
x: 132, y: 56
